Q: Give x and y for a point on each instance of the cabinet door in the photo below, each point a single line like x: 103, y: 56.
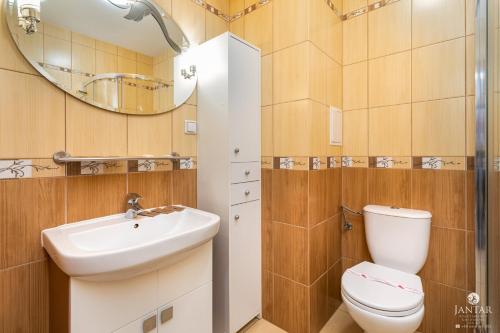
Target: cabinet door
x: 147, y: 324
x: 191, y: 313
x: 244, y: 264
x: 244, y: 101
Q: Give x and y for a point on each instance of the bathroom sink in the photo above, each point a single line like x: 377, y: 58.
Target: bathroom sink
x: 114, y: 248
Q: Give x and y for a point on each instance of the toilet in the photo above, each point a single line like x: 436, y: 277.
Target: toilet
x: 387, y: 296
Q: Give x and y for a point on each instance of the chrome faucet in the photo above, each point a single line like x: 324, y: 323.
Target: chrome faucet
x: 135, y: 207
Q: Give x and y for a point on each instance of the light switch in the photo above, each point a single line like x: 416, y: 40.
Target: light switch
x: 190, y: 127
x: 335, y: 126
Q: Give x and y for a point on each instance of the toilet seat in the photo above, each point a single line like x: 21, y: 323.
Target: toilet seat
x: 382, y: 290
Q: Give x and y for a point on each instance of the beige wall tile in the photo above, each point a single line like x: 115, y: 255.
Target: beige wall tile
x: 390, y: 80
x: 470, y: 109
x: 214, y: 26
x: 317, y: 74
x: 238, y: 27
x: 389, y: 29
x: 319, y: 23
x: 355, y: 39
x: 105, y: 62
x: 355, y: 86
x: 94, y: 132
x: 128, y: 54
x: 319, y: 134
x: 437, y: 21
x: 151, y: 135
x: 31, y: 116
x: 290, y: 23
x: 470, y: 70
x: 355, y: 133
x: 183, y: 144
x: 236, y: 6
x: 292, y: 128
x: 220, y: 4
x: 166, y: 5
x: 57, y: 32
x: 439, y: 128
x: 267, y: 80
x: 334, y: 47
x: 82, y: 40
x: 390, y: 131
x: 333, y: 83
x: 191, y: 19
x: 470, y: 20
x: 56, y: 51
x: 106, y: 47
x: 31, y: 46
x: 259, y: 28
x: 82, y: 58
x: 267, y: 131
x: 438, y: 71
x: 290, y: 73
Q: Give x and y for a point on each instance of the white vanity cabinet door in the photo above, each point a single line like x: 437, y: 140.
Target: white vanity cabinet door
x: 245, y: 172
x: 138, y: 325
x: 192, y: 313
x: 245, y: 192
x: 244, y: 263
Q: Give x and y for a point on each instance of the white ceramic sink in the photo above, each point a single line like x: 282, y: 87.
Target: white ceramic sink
x: 113, y: 247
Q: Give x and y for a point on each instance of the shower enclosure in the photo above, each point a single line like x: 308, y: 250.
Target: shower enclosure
x: 487, y: 164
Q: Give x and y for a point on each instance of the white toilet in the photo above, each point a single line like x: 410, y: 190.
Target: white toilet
x: 387, y: 296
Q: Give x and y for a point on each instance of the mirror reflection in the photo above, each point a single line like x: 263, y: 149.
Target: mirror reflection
x: 125, y: 56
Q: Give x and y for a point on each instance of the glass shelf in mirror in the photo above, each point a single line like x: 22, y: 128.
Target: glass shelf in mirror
x: 125, y: 56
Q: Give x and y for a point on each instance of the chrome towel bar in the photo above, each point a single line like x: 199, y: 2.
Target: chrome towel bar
x: 63, y: 157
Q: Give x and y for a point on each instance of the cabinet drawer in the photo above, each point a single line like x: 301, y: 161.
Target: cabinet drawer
x: 245, y: 192
x: 245, y: 172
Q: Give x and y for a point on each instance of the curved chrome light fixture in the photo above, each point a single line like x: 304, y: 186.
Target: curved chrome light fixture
x: 142, y: 8
x: 28, y: 13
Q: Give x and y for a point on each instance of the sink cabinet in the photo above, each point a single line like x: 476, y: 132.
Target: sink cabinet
x: 181, y: 293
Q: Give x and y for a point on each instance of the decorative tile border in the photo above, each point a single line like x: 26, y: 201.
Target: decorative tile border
x: 388, y: 162
x: 334, y: 162
x: 440, y: 163
x: 248, y: 10
x: 94, y: 168
x: 213, y: 10
x: 363, y: 10
x: 354, y: 162
x: 149, y: 165
x: 496, y: 164
x: 267, y: 162
x: 35, y: 168
x: 185, y: 164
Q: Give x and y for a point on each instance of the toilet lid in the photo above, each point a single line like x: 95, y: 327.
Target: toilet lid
x: 383, y: 288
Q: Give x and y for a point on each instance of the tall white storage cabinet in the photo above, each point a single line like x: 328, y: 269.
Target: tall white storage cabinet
x: 229, y: 174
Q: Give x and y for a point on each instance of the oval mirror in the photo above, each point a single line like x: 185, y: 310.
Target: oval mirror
x: 125, y: 56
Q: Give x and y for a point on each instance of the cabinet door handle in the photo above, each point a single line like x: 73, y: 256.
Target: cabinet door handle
x: 247, y: 172
x: 167, y: 314
x: 236, y: 150
x: 247, y: 192
x: 149, y: 324
x: 236, y: 217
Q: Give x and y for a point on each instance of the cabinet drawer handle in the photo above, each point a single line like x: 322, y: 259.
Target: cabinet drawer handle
x: 167, y: 314
x: 236, y: 150
x: 236, y: 217
x: 247, y: 192
x: 149, y: 324
x: 247, y: 172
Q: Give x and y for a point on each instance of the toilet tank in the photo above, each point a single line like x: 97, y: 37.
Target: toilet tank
x: 398, y: 237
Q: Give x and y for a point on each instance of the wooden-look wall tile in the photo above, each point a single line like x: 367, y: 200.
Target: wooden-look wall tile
x: 440, y: 302
x: 290, y: 73
x: 24, y: 301
x: 214, y: 25
x: 94, y: 132
x: 289, y: 196
x: 446, y: 261
x: 267, y: 296
x: 290, y: 252
x: 442, y: 192
x: 266, y: 193
x: 471, y: 260
x: 27, y: 206
x: 31, y: 116
x: 154, y: 187
x: 267, y: 245
x: 355, y: 48
x: 334, y: 277
x: 291, y: 305
x: 191, y: 19
x: 182, y: 143
x: 151, y: 135
x: 354, y: 244
x: 95, y: 196
x: 471, y: 199
x: 334, y: 239
x: 334, y: 191
x: 319, y: 309
x: 389, y: 187
x: 318, y: 251
x: 259, y: 28
x: 355, y: 187
x: 184, y: 188
x: 318, y: 196
x: 59, y: 301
